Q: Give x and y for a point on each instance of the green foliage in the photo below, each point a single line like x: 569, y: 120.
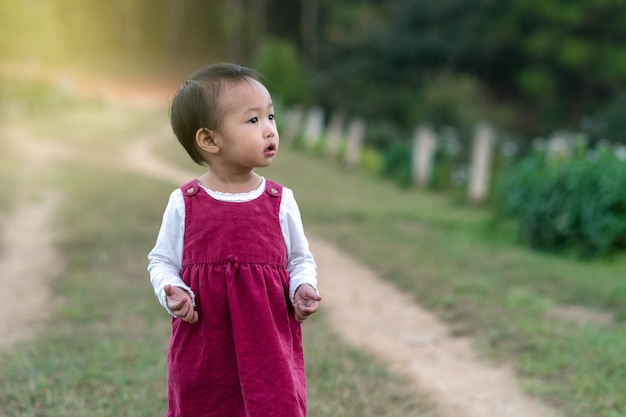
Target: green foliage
x: 448, y: 169
x: 554, y: 62
x: 381, y: 134
x: 609, y: 122
x: 103, y: 348
x: 285, y: 76
x: 397, y: 163
x: 488, y: 288
x: 573, y: 203
x: 371, y: 160
x: 450, y: 100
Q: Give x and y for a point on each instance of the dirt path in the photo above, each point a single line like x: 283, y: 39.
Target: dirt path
x: 28, y: 264
x: 396, y: 330
x: 28, y: 259
x: 415, y: 343
x: 392, y: 327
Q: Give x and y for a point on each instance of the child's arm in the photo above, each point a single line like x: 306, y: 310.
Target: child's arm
x: 166, y: 256
x: 300, y: 262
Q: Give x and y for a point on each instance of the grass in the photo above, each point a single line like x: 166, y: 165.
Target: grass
x: 455, y: 262
x: 9, y: 169
x: 103, y: 349
x: 103, y: 352
x: 450, y: 258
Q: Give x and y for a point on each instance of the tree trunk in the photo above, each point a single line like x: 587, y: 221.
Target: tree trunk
x: 309, y: 28
x: 235, y: 30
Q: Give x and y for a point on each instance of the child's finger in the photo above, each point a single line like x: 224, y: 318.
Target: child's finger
x: 303, y: 311
x: 299, y: 317
x: 308, y: 307
x: 168, y: 290
x: 312, y: 295
x: 184, y: 309
x: 177, y: 305
x: 191, y: 316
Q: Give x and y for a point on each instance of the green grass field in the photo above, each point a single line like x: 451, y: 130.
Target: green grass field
x: 478, y: 279
x: 103, y: 349
x: 102, y: 352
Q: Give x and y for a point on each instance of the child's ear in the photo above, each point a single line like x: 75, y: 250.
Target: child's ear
x: 205, y: 140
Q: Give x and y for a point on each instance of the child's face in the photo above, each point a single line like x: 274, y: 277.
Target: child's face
x: 248, y: 137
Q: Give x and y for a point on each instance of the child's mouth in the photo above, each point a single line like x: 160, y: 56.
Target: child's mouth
x: 271, y: 149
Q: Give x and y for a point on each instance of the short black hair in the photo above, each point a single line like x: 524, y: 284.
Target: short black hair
x: 195, y: 105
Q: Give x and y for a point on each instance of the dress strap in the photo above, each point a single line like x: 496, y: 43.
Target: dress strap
x: 191, y: 188
x: 273, y: 189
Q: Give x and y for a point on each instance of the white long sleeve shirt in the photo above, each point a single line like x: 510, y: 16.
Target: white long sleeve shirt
x: 165, y: 259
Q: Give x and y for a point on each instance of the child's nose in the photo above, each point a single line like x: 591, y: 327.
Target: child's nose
x: 270, y: 132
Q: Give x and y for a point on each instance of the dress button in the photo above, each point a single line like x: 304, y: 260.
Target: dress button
x: 190, y: 190
x: 273, y: 190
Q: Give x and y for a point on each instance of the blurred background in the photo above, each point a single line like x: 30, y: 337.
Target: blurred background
x: 548, y: 76
x: 526, y: 255
x: 530, y: 66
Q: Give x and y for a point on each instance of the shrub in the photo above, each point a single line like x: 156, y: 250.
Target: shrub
x: 609, y: 122
x: 371, y: 160
x: 450, y: 157
x: 397, y: 163
x: 577, y: 203
x: 284, y: 75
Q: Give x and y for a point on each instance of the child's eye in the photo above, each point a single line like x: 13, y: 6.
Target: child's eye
x: 272, y: 117
x: 253, y: 120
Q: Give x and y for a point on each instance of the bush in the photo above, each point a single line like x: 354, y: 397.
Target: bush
x: 371, y: 160
x: 609, y: 123
x: 285, y: 77
x: 397, y: 163
x: 577, y: 203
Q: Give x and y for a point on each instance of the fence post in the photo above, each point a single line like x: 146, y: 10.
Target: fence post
x: 313, y: 126
x: 560, y: 145
x: 356, y: 133
x: 293, y: 124
x: 423, y: 155
x: 334, y: 133
x: 480, y: 166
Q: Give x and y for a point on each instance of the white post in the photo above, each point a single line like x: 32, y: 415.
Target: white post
x: 293, y: 124
x: 356, y: 134
x: 480, y: 167
x: 313, y: 126
x: 424, y: 147
x: 560, y: 145
x: 334, y: 135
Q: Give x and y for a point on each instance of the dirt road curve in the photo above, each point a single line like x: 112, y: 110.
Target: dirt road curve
x: 392, y: 327
x: 28, y: 263
x: 377, y: 319
x: 381, y: 320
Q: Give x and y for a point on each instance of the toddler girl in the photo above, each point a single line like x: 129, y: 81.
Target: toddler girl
x: 231, y: 262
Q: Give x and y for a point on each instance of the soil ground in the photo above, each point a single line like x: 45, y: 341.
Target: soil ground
x: 382, y: 321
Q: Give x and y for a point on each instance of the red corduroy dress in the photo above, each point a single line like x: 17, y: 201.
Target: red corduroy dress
x: 243, y: 358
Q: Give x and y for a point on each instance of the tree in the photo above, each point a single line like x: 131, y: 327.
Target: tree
x: 555, y: 61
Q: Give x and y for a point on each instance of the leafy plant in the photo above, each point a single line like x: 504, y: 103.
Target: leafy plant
x: 577, y: 203
x: 285, y: 77
x: 371, y: 160
x: 397, y: 163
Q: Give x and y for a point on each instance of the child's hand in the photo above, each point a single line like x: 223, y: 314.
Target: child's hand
x: 306, y: 302
x: 179, y: 301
